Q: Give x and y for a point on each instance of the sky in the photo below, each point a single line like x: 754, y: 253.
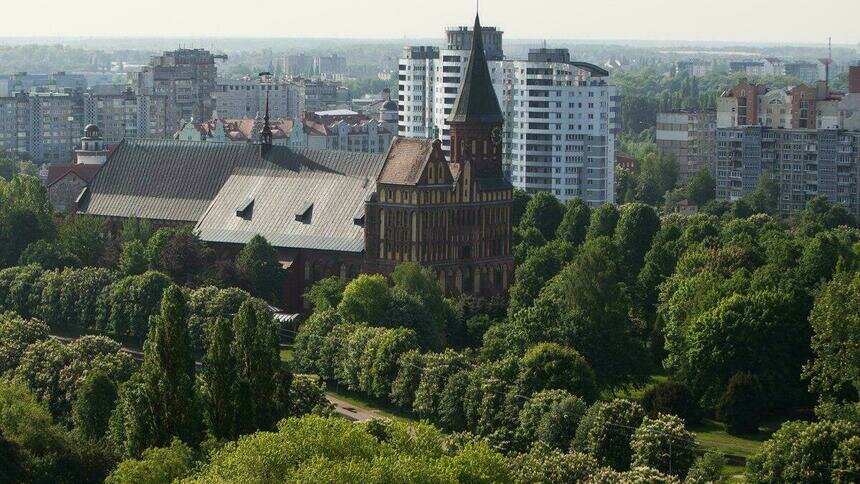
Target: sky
x: 790, y: 21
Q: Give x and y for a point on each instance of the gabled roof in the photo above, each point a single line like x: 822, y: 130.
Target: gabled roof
x: 302, y: 198
x: 164, y: 179
x: 476, y: 102
x: 406, y: 160
x: 84, y: 172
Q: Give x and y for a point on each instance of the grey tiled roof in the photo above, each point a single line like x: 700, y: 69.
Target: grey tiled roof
x: 328, y: 187
x: 164, y: 179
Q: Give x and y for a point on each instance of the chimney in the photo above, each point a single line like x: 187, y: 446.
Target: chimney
x: 854, y: 79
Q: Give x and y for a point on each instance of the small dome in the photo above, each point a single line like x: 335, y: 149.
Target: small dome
x: 390, y: 105
x: 91, y: 131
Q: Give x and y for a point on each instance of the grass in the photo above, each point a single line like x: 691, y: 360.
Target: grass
x: 287, y: 353
x: 713, y: 435
x: 383, y: 409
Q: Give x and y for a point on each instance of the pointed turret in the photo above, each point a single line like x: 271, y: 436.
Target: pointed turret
x: 476, y: 101
x: 266, y: 132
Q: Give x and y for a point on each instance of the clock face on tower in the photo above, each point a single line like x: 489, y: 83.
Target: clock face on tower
x: 497, y: 135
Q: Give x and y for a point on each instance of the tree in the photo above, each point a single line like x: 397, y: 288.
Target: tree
x: 765, y: 197
x: 132, y: 260
x: 574, y: 223
x: 365, y: 300
x: 550, y: 417
x: 95, y: 401
x: 541, y: 265
x: 637, y: 226
x: 701, y: 188
x: 84, y: 236
x: 545, y: 465
x: 742, y: 405
x: 25, y: 216
x: 168, y: 373
x: 326, y: 293
x: 410, y: 366
x: 129, y: 303
x: 603, y: 221
x: 763, y: 332
x: 139, y: 229
x: 520, y: 201
x: 606, y: 431
x: 664, y: 444
x: 48, y: 255
x: 219, y: 380
x: 437, y: 369
x: 819, y: 214
x: 260, y: 270
x: 834, y: 371
x: 673, y: 398
x: 16, y: 334
x: 543, y: 212
x: 408, y: 310
x: 183, y: 256
x: 256, y: 350
x: 156, y: 465
x: 801, y: 452
x: 451, y: 414
x: 549, y: 366
x: 707, y: 468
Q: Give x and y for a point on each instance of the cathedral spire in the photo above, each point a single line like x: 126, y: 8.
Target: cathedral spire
x: 476, y: 102
x: 266, y: 132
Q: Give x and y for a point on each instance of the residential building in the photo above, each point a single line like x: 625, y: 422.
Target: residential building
x: 42, y: 126
x: 298, y: 65
x: 560, y: 115
x: 336, y: 213
x: 814, y: 149
x: 748, y: 67
x: 343, y: 130
x: 329, y: 65
x: 807, y: 72
x: 246, y: 98
x: 694, y: 67
x: 24, y: 82
x: 244, y: 130
x: 689, y: 136
x: 120, y: 113
x: 316, y: 94
x: 187, y: 77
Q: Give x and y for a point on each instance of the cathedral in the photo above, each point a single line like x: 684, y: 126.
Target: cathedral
x: 335, y: 213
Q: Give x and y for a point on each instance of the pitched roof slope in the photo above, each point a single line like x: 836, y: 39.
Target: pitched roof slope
x: 405, y: 161
x: 164, y: 179
x: 295, y: 198
x: 476, y: 102
x: 84, y: 172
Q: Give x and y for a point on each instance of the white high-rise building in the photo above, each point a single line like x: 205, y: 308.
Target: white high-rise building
x: 560, y: 116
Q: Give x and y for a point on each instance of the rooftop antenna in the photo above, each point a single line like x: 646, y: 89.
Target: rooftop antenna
x: 829, y: 60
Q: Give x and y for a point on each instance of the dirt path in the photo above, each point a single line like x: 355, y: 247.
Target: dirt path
x: 350, y: 411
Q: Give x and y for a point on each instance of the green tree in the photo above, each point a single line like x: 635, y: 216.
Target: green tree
x: 129, y: 303
x: 765, y: 197
x: 132, y: 260
x: 95, y: 401
x: 543, y: 212
x: 548, y: 366
x: 546, y: 466
x: 183, y: 257
x: 48, y: 255
x: 260, y: 270
x: 673, y: 398
x: 834, y: 371
x: 258, y: 368
x: 606, y: 431
x: 155, y: 466
x: 519, y: 203
x: 139, y: 229
x: 550, y: 417
x: 16, y: 334
x: 168, y: 373
x: 25, y: 216
x: 741, y: 407
x: 701, y: 188
x: 326, y: 293
x: 84, y: 236
x: 637, y: 226
x: 541, y: 265
x: 219, y: 380
x: 603, y: 221
x: 574, y: 223
x: 664, y: 444
x: 365, y: 300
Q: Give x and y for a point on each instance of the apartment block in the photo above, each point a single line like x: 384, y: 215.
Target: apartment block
x: 690, y: 136
x: 120, y: 113
x: 560, y: 115
x: 42, y: 126
x: 245, y: 98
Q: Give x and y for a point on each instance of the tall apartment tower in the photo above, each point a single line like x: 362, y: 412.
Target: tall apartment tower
x: 186, y: 77
x: 690, y: 136
x: 560, y: 117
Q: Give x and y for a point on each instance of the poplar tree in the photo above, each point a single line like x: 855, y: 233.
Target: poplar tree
x: 219, y: 380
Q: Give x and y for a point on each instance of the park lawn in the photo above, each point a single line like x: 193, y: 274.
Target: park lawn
x: 383, y: 409
x: 713, y: 435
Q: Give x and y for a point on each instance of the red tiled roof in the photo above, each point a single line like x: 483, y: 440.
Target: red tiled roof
x: 84, y: 172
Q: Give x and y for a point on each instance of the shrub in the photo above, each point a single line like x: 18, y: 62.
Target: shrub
x: 664, y: 444
x: 672, y: 398
x: 742, y: 405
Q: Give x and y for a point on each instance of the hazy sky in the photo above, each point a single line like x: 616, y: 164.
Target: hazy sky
x: 808, y: 21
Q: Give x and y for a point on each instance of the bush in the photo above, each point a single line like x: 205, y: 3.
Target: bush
x: 543, y: 464
x: 606, y: 430
x: 707, y: 469
x: 672, y: 398
x: 742, y: 405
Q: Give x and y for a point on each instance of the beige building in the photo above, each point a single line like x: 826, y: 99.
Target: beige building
x: 690, y: 137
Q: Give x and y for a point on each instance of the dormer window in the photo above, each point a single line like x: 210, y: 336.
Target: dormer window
x: 304, y: 214
x: 245, y: 209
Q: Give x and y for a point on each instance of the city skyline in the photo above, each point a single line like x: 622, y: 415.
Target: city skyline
x: 340, y: 19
